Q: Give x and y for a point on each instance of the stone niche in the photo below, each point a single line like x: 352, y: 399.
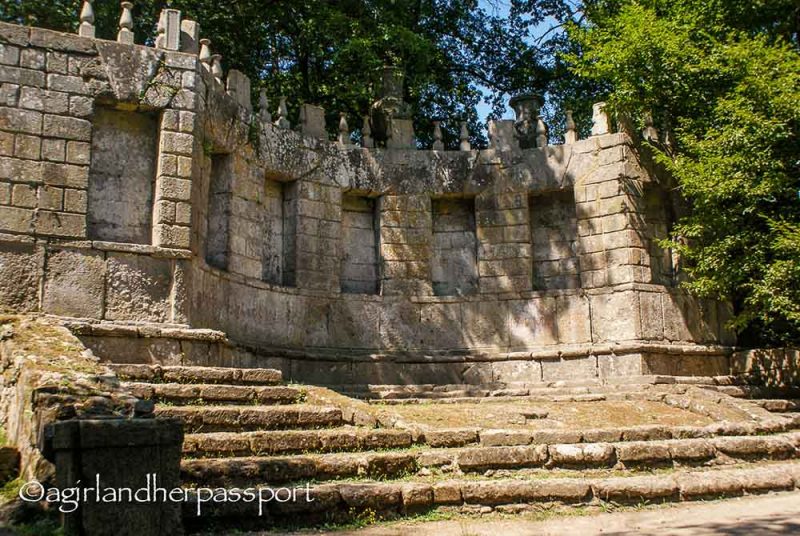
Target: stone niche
x: 554, y: 233
x: 660, y: 219
x: 360, y: 268
x: 122, y: 176
x: 455, y: 261
x: 280, y: 233
x: 219, y: 211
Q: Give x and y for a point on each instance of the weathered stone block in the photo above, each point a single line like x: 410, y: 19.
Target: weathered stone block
x: 616, y: 366
x: 138, y: 288
x: 74, y: 283
x: 532, y: 323
x: 60, y: 224
x: 615, y: 316
x: 24, y: 121
x: 569, y: 369
x: 572, y: 319
x: 16, y: 220
x: 20, y: 271
x: 517, y: 371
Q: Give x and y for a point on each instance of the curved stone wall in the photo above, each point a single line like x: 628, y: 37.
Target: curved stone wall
x: 227, y: 221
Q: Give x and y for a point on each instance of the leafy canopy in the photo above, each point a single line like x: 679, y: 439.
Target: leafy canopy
x: 328, y: 52
x: 725, y: 76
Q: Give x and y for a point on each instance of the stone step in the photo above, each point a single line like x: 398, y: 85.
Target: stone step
x: 229, y: 418
x: 461, y: 437
x: 345, y: 501
x: 249, y: 471
x: 191, y: 374
x: 454, y: 393
x: 181, y: 393
x: 254, y: 470
x: 343, y: 439
x: 779, y: 405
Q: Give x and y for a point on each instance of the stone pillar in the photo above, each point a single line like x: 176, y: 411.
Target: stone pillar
x: 312, y: 121
x: 172, y: 214
x: 504, y: 242
x: 406, y: 244
x: 121, y: 453
x: 612, y: 230
x: 169, y: 30
x: 238, y: 86
x: 502, y: 136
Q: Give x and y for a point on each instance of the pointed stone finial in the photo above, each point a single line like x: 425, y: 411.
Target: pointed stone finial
x: 344, y: 130
x: 649, y: 131
x: 205, y: 53
x: 86, y: 28
x: 437, y: 136
x: 125, y: 34
x: 541, y: 132
x: 366, y: 134
x: 464, y: 137
x: 263, y: 107
x: 600, y: 123
x: 238, y: 86
x: 216, y: 67
x: 283, y: 121
x: 571, y: 133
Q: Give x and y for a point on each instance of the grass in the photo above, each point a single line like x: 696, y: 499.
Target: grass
x: 10, y: 490
x: 51, y: 348
x: 41, y: 527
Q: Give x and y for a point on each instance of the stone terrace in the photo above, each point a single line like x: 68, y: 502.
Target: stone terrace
x: 245, y: 429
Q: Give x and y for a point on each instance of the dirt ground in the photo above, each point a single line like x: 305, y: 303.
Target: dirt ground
x: 777, y: 514
x: 559, y: 415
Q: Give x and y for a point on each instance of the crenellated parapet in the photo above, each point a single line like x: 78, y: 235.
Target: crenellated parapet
x: 142, y: 185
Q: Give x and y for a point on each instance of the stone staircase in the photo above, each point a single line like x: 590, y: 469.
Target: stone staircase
x: 245, y: 428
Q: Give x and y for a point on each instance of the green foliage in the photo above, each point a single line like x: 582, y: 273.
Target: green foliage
x: 726, y: 75
x: 329, y: 53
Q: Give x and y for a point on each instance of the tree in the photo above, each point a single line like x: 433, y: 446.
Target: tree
x: 329, y: 52
x: 724, y: 75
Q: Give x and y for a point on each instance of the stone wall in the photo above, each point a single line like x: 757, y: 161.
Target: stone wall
x: 774, y: 368
x: 291, y: 243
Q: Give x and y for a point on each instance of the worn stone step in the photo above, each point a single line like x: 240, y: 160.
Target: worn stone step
x: 251, y: 470
x: 181, y: 393
x: 343, y: 501
x: 460, y: 437
x: 240, y: 418
x: 455, y: 393
x: 191, y: 374
x: 779, y: 405
x: 341, y: 439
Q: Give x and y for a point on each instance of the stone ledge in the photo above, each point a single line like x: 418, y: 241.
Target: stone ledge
x: 101, y: 328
